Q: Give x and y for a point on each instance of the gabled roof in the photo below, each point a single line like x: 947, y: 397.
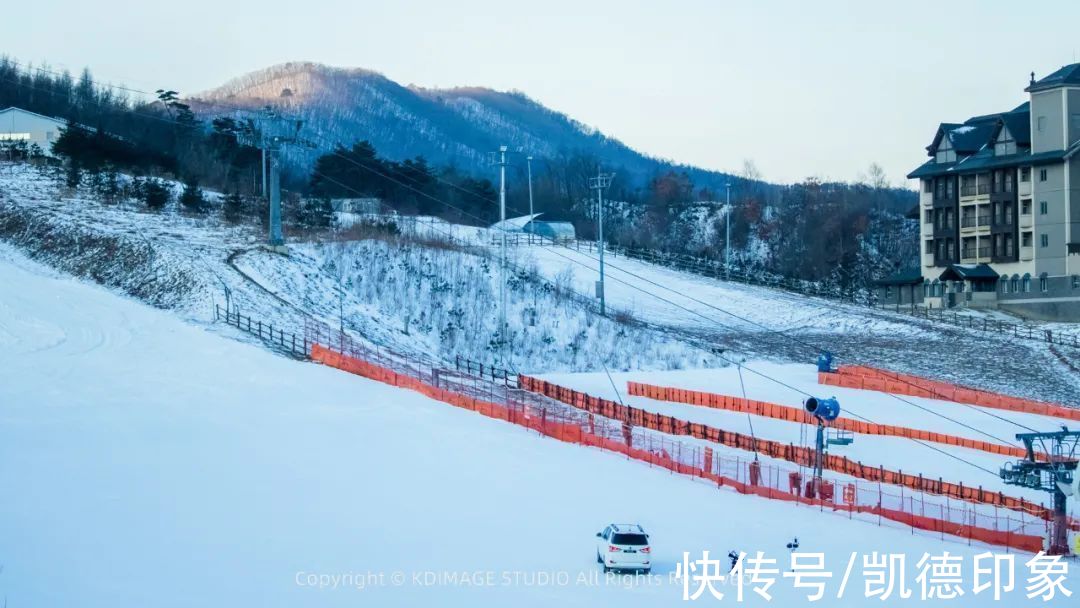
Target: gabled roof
x: 942, y: 129
x: 14, y: 109
x: 1067, y: 76
x: 962, y: 272
x: 972, y: 135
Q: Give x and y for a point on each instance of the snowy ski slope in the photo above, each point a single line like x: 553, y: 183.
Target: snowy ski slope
x: 150, y: 462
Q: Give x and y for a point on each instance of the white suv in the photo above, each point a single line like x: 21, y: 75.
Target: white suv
x: 624, y: 547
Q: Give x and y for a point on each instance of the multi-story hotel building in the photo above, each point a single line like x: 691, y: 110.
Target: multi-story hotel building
x: 999, y: 208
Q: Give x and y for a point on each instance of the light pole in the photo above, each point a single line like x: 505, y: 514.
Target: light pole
x: 727, y: 232
x: 600, y: 183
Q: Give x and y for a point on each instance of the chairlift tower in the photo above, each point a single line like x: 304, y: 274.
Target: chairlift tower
x: 1056, y: 474
x: 274, y: 132
x: 601, y: 182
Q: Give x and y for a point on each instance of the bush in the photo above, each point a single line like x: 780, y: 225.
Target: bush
x: 192, y: 197
x: 234, y: 208
x: 154, y: 193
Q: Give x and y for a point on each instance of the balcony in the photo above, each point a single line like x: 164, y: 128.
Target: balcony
x: 971, y: 254
x: 1025, y: 188
x: 1027, y: 253
x: 1026, y: 220
x: 928, y: 259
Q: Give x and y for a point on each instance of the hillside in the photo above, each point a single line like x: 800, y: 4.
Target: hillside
x: 265, y: 469
x: 457, y: 126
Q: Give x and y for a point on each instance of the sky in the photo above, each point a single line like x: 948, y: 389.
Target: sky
x: 802, y: 89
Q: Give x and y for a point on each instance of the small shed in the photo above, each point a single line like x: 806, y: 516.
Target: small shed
x: 903, y: 288
x: 559, y: 231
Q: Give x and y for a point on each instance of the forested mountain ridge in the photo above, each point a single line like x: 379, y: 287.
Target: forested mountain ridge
x: 456, y: 127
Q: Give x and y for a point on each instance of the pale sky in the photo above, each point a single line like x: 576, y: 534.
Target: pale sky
x: 809, y: 88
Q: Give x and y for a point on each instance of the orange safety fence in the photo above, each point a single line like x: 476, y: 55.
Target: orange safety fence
x: 1023, y: 531
x: 874, y: 379
x: 803, y: 456
x: 794, y: 414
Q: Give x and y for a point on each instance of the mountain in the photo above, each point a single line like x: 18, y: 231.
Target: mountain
x: 457, y: 126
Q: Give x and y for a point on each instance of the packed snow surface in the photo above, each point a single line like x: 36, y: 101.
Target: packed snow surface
x: 149, y: 462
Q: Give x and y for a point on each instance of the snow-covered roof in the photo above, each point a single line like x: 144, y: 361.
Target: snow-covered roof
x: 515, y: 224
x: 13, y: 109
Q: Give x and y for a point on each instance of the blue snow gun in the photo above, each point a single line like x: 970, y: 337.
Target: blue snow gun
x: 827, y: 409
x: 824, y: 362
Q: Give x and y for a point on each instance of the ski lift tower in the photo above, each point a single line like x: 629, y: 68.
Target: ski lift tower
x: 272, y: 133
x: 1057, y: 475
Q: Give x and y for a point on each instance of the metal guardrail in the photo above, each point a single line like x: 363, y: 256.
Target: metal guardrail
x: 486, y: 372
x: 293, y: 344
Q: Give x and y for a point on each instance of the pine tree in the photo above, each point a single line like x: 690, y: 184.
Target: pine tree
x: 154, y: 193
x: 73, y: 176
x: 192, y: 197
x: 319, y: 213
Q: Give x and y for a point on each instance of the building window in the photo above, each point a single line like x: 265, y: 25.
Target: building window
x: 1004, y: 284
x: 888, y: 292
x: 1042, y: 207
x: 928, y: 217
x: 928, y: 247
x: 927, y: 186
x: 1016, y: 283
x: 1076, y: 281
x: 1008, y: 208
x: 1040, y: 124
x: 1025, y: 207
x: 1025, y: 174
x: 1044, y: 241
x: 14, y: 137
x: 1008, y: 245
x: 1025, y: 239
x: 1042, y: 175
x: 1027, y: 283
x: 1042, y: 283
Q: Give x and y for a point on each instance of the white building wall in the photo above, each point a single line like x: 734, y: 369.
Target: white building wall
x: 18, y: 124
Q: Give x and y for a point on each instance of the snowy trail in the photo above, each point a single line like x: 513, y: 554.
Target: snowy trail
x: 891, y: 452
x: 751, y: 308
x: 150, y: 462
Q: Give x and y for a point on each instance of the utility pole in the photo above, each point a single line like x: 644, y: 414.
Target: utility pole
x: 528, y: 161
x: 1057, y: 475
x: 600, y: 183
x: 727, y: 232
x: 503, y: 342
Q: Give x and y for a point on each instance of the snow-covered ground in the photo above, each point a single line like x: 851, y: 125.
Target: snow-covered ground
x: 788, y: 384
x: 151, y: 462
x: 414, y: 298
x: 188, y: 263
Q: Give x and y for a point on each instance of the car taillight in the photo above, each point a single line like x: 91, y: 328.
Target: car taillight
x: 612, y: 549
x: 645, y: 550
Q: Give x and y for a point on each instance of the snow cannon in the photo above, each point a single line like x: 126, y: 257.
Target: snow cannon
x: 827, y: 409
x: 824, y: 362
